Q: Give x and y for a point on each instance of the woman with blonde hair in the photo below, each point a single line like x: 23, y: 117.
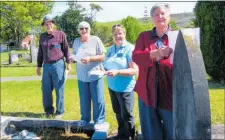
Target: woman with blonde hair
x: 120, y: 73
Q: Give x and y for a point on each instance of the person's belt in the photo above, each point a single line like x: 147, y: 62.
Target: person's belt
x: 51, y: 62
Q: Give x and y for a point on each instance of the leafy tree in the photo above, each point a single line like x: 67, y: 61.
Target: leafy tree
x: 210, y: 17
x: 173, y: 25
x: 132, y: 27
x: 70, y: 19
x: 104, y: 32
x: 18, y: 18
x: 95, y: 8
x: 68, y: 23
x: 146, y: 26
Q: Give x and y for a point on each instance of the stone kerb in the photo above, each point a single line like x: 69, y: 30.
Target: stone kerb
x: 27, y: 123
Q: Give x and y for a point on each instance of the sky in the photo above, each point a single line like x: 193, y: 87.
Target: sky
x: 113, y: 11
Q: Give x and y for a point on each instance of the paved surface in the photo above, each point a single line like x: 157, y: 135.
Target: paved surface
x: 28, y: 78
x: 217, y: 132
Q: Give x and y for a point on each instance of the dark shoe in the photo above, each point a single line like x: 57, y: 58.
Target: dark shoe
x: 48, y: 115
x: 118, y: 137
x: 114, y: 137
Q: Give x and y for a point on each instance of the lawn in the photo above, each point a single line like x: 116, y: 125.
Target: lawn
x: 23, y: 71
x: 24, y: 99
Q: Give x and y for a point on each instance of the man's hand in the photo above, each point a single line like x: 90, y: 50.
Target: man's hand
x: 68, y: 68
x: 38, y: 71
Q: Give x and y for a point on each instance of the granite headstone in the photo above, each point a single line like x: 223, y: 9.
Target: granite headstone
x: 191, y: 106
x: 13, y: 57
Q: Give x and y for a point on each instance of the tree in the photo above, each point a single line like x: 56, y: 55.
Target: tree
x: 132, y: 27
x: 68, y: 23
x: 70, y: 19
x: 210, y: 17
x: 104, y: 32
x: 18, y: 18
x: 173, y: 25
x: 95, y: 8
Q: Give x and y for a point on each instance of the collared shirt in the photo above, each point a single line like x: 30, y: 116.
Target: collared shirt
x: 119, y: 58
x: 52, y: 47
x: 93, y: 47
x: 145, y: 86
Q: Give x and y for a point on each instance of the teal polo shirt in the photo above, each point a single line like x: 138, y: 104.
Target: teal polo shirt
x: 119, y: 58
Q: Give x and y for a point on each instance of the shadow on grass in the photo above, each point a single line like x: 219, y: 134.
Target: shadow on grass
x: 23, y: 114
x: 215, y: 85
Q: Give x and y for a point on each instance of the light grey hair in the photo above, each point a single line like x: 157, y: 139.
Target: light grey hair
x: 83, y: 24
x: 160, y: 5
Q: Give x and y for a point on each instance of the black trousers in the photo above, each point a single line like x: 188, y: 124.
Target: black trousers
x: 123, y: 104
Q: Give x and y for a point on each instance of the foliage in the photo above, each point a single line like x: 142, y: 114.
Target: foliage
x: 132, y: 27
x: 18, y: 18
x: 173, y: 25
x: 70, y: 19
x: 210, y: 17
x: 104, y: 32
x: 190, y: 24
x: 145, y: 26
x: 94, y: 9
x: 68, y: 22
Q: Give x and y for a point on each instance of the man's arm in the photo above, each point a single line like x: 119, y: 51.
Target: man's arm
x: 66, y: 52
x: 39, y: 58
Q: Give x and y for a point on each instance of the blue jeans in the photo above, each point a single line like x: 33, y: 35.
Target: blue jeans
x: 92, y: 91
x: 155, y: 123
x: 53, y: 77
x: 123, y: 104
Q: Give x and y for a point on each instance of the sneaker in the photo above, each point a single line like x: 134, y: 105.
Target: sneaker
x: 81, y: 123
x: 101, y: 126
x: 58, y: 116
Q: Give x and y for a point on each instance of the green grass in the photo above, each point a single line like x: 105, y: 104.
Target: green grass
x: 24, y: 99
x: 5, y: 55
x: 28, y: 101
x: 23, y: 71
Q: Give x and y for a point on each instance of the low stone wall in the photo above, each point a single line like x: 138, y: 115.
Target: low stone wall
x: 27, y: 123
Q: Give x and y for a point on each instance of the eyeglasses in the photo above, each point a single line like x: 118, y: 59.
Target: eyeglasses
x: 83, y: 29
x: 117, y: 25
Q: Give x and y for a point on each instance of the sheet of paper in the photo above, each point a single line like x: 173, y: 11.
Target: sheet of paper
x: 76, y: 58
x: 97, y: 72
x: 172, y: 36
x: 66, y: 74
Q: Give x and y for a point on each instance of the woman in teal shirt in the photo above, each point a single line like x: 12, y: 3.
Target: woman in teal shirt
x: 120, y: 73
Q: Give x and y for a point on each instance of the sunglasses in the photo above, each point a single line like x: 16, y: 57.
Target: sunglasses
x: 83, y: 29
x: 117, y: 25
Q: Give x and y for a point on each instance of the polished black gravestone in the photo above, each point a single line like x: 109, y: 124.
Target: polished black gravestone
x: 191, y: 107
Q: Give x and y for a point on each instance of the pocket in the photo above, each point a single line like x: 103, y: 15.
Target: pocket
x: 119, y: 55
x: 57, y: 46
